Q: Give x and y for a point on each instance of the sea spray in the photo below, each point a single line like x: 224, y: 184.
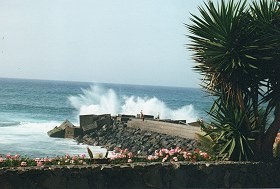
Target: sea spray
x: 96, y: 100
x: 31, y: 138
x: 99, y: 100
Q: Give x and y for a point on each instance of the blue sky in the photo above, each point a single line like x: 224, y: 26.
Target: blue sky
x: 116, y: 41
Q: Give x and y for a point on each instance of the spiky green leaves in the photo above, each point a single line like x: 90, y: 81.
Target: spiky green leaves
x: 221, y: 44
x: 229, y: 130
x: 236, y: 49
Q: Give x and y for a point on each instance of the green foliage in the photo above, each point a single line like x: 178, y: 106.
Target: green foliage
x: 236, y: 48
x: 90, y: 153
x: 220, y: 42
x: 206, y: 143
x: 228, y: 131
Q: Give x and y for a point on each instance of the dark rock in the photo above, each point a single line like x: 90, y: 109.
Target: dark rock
x: 65, y: 130
x: 90, y: 123
x: 57, y: 132
x: 136, y: 140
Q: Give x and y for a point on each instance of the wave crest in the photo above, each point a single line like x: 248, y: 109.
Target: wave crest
x: 98, y: 100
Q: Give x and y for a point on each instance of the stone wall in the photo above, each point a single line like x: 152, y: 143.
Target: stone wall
x: 143, y: 175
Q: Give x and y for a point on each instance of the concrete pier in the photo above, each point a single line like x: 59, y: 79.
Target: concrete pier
x: 180, y: 130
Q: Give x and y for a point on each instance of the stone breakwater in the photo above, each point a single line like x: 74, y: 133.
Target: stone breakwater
x: 135, y: 140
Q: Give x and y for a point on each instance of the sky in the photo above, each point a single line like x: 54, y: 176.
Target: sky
x: 101, y: 41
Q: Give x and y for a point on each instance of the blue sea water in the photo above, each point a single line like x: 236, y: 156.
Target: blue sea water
x: 29, y: 108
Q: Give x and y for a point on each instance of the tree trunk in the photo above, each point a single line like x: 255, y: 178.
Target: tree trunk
x: 270, y: 135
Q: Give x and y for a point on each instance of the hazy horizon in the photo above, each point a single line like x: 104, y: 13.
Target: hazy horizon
x: 97, y: 83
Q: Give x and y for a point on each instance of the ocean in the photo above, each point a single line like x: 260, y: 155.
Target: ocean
x: 30, y: 108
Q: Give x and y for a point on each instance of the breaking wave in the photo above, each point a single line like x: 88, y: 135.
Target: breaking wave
x: 99, y: 100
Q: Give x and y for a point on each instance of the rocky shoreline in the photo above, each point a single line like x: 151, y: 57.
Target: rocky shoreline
x: 137, y: 141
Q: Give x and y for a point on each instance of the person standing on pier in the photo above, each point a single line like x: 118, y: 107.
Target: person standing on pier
x: 142, y: 115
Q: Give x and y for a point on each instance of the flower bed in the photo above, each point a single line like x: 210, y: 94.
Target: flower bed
x: 162, y: 155
x: 116, y: 156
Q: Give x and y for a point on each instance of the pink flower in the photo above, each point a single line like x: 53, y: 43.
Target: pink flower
x: 46, y: 159
x: 177, y: 150
x: 171, y: 152
x: 204, y: 154
x: 1, y: 160
x: 67, y: 156
x: 74, y: 158
x: 125, y: 150
x: 175, y: 158
x: 83, y: 156
x: 8, y: 156
x: 16, y: 156
x: 129, y: 160
x: 23, y: 164
x: 40, y: 164
x: 165, y: 150
x: 156, y: 154
x: 130, y: 155
x: 150, y: 157
x: 196, y: 150
x: 123, y: 156
x: 185, y: 155
x: 37, y: 159
x: 164, y: 159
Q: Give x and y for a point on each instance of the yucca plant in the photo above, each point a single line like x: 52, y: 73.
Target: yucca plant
x: 228, y: 130
x: 266, y: 15
x: 206, y: 143
x: 236, y: 49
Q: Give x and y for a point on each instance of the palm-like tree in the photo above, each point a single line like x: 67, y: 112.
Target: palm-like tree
x: 236, y: 50
x: 267, y: 20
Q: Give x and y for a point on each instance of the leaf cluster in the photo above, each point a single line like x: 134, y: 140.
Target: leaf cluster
x: 236, y: 48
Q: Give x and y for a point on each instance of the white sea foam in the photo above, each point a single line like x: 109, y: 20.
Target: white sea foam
x: 98, y: 100
x: 31, y: 138
x: 8, y: 123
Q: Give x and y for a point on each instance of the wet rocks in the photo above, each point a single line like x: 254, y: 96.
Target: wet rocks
x: 65, y: 130
x: 91, y: 123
